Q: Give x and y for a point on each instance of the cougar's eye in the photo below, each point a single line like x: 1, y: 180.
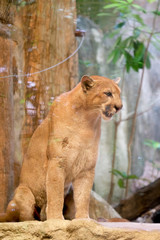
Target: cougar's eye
x: 109, y: 94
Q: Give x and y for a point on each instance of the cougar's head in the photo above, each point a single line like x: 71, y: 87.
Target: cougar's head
x: 102, y: 95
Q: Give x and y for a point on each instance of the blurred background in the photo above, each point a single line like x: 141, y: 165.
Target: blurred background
x: 122, y: 39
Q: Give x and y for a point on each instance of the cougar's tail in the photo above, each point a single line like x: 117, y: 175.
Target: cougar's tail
x: 12, y: 213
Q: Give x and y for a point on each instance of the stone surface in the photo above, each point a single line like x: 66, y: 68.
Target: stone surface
x: 98, y: 207
x: 77, y: 230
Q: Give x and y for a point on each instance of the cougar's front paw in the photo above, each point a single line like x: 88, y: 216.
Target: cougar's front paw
x: 55, y: 217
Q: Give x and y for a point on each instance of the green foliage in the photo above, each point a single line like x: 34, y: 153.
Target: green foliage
x: 130, y: 44
x: 122, y: 177
x: 152, y: 143
x: 156, y: 12
x: 132, y: 50
x: 150, y: 1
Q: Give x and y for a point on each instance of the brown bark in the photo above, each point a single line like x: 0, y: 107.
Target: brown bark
x: 32, y: 37
x: 49, y: 37
x: 144, y: 199
x: 6, y: 124
x: 7, y: 47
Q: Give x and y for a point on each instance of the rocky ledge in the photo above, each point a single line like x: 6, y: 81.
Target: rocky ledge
x: 79, y: 230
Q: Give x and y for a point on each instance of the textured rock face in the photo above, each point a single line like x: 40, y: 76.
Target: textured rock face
x: 77, y: 230
x: 98, y: 208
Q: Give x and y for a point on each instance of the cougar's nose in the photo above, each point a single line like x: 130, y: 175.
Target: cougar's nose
x: 118, y: 107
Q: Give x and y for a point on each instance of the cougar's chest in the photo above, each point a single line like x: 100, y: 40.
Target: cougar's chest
x: 80, y: 157
x: 75, y: 144
x: 77, y: 163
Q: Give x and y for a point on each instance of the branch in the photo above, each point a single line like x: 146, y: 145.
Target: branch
x: 131, y: 115
x: 140, y: 202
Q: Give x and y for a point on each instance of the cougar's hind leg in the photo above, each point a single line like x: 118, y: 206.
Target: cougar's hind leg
x: 21, y: 208
x: 25, y: 201
x: 11, y: 214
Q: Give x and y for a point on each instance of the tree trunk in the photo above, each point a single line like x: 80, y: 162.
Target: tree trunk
x: 49, y: 37
x: 6, y: 108
x: 140, y: 202
x: 33, y: 36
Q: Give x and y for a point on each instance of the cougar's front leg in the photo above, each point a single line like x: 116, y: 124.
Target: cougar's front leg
x: 82, y: 188
x: 55, y: 189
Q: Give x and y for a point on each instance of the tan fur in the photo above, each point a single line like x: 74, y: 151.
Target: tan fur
x: 63, y: 150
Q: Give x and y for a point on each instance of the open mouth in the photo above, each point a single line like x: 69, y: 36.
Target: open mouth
x: 107, y: 114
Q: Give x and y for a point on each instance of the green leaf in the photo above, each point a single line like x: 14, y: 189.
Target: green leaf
x: 119, y: 173
x: 156, y: 145
x: 117, y: 55
x: 128, y: 58
x: 116, y: 172
x: 121, y: 183
x: 112, y: 5
x: 127, y: 43
x: 139, y: 19
x: 139, y: 50
x: 111, y: 56
x: 156, y: 12
x: 132, y: 176
x: 132, y: 62
x: 151, y: 1
x: 104, y: 14
x: 118, y: 41
x: 124, y: 175
x: 139, y: 8
x: 121, y: 2
x: 136, y: 33
x: 128, y: 67
x: 120, y: 25
x: 152, y: 143
x: 123, y: 8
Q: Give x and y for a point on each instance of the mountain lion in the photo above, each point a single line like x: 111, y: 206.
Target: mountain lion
x: 63, y: 150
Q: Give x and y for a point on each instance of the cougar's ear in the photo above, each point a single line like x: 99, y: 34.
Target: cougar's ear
x: 117, y: 80
x: 87, y: 83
